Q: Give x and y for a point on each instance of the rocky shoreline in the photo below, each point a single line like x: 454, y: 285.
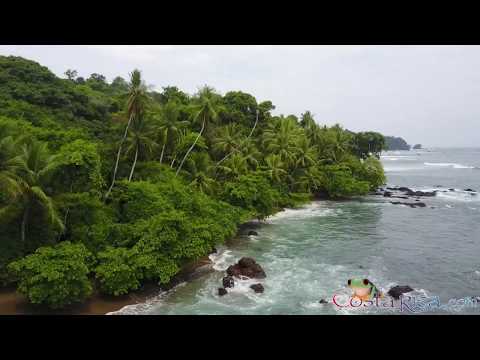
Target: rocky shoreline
x: 416, y: 195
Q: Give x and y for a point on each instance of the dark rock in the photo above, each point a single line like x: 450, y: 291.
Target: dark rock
x: 471, y: 190
x: 404, y: 189
x: 323, y: 301
x: 392, y: 188
x: 396, y: 291
x: 399, y: 197
x: 387, y: 193
x: 214, y: 251
x: 222, y: 291
x: 246, y: 267
x: 228, y: 282
x: 421, y: 193
x: 451, y: 189
x: 234, y: 270
x: 251, y: 232
x: 438, y: 186
x: 258, y: 288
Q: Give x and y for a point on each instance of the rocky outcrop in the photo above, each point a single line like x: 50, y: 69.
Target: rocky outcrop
x: 246, y: 267
x: 397, y: 291
x: 258, y: 288
x: 228, y: 282
x: 222, y: 291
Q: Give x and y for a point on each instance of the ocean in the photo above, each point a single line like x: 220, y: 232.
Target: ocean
x: 310, y: 253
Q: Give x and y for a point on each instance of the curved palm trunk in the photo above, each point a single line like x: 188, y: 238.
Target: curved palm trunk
x: 248, y: 137
x: 161, y: 155
x: 134, y: 164
x: 118, y: 156
x: 191, y: 147
x: 24, y: 225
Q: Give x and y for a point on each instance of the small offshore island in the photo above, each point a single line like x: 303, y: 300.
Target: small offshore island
x: 108, y: 188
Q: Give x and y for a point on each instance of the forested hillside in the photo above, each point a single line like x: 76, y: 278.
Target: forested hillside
x: 106, y: 186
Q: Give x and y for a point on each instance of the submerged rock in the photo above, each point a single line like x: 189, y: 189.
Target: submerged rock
x: 398, y: 290
x: 252, y: 232
x: 323, y: 301
x: 258, y: 288
x: 387, y: 193
x: 246, y: 267
x: 471, y: 190
x: 228, y: 282
x: 421, y: 193
x: 412, y: 205
x: 222, y: 291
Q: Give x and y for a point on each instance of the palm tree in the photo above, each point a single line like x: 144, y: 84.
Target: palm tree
x: 140, y: 142
x: 275, y: 168
x: 243, y: 143
x: 184, y: 142
x: 137, y: 99
x: 306, y: 154
x: 169, y: 126
x: 235, y: 166
x: 33, y: 168
x: 227, y: 139
x: 280, y: 138
x: 8, y: 147
x: 199, y: 166
x: 206, y: 112
x: 309, y: 179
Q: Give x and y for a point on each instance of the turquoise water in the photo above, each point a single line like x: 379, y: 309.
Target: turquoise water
x: 309, y: 253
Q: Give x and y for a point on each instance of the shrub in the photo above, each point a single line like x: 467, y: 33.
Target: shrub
x: 338, y: 182
x: 254, y: 193
x: 117, y: 273
x: 55, y: 276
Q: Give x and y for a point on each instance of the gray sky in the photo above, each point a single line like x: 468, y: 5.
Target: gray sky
x: 425, y: 94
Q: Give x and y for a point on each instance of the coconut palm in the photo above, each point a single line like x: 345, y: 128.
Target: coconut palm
x: 184, y: 143
x: 32, y: 169
x: 136, y: 104
x: 309, y: 180
x: 140, y: 143
x: 305, y: 154
x: 280, y: 138
x: 199, y: 166
x: 274, y: 167
x: 8, y: 147
x: 235, y: 166
x: 169, y: 126
x: 206, y: 111
x: 227, y: 139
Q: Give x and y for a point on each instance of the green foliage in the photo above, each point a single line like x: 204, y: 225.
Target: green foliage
x: 79, y: 168
x: 338, y: 182
x: 117, y: 273
x: 254, y: 193
x: 55, y: 276
x: 184, y: 171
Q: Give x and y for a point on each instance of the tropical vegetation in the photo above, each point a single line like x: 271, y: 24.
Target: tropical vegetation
x: 106, y: 186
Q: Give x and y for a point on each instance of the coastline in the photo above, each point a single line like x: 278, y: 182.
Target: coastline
x: 13, y: 303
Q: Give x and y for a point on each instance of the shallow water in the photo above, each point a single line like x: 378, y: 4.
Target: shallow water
x: 309, y: 253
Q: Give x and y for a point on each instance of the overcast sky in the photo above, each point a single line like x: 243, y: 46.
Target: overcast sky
x: 425, y: 94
